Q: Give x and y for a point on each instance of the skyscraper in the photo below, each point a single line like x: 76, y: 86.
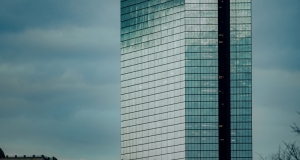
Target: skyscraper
x: 186, y: 80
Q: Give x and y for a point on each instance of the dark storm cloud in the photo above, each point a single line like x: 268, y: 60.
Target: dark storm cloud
x: 59, y: 67
x: 276, y: 73
x: 66, y: 42
x: 276, y: 54
x: 18, y: 15
x: 276, y: 34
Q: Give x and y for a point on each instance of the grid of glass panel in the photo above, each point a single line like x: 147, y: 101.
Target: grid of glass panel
x: 241, y: 112
x: 169, y: 79
x: 201, y: 68
x: 152, y: 80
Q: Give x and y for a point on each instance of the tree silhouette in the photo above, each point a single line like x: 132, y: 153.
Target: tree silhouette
x: 290, y: 151
x: 295, y: 127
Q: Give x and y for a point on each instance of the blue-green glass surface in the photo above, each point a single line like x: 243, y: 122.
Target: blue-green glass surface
x: 152, y: 79
x: 169, y: 79
x: 201, y: 72
x: 241, y: 79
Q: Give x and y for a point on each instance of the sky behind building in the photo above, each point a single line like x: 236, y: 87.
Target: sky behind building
x: 59, y: 86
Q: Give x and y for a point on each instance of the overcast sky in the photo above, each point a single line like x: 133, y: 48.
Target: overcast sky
x: 60, y: 73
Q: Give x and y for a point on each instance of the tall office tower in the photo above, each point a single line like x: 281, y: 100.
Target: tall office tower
x: 186, y: 80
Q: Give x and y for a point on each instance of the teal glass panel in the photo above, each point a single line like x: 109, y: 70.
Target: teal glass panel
x: 241, y: 79
x: 201, y: 72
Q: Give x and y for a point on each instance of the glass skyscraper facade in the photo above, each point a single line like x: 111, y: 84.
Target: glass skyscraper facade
x: 186, y: 80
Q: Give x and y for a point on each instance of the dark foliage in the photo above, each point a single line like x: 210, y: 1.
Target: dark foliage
x: 290, y: 151
x: 295, y: 127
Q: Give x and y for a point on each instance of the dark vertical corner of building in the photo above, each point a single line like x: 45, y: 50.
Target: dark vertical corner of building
x: 224, y: 78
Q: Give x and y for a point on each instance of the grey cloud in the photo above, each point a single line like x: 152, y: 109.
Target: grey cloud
x: 80, y: 134
x: 62, y: 110
x: 18, y: 15
x: 276, y: 88
x: 59, y: 66
x: 58, y: 87
x: 275, y: 34
x: 275, y: 102
x: 75, y: 42
x: 276, y: 71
